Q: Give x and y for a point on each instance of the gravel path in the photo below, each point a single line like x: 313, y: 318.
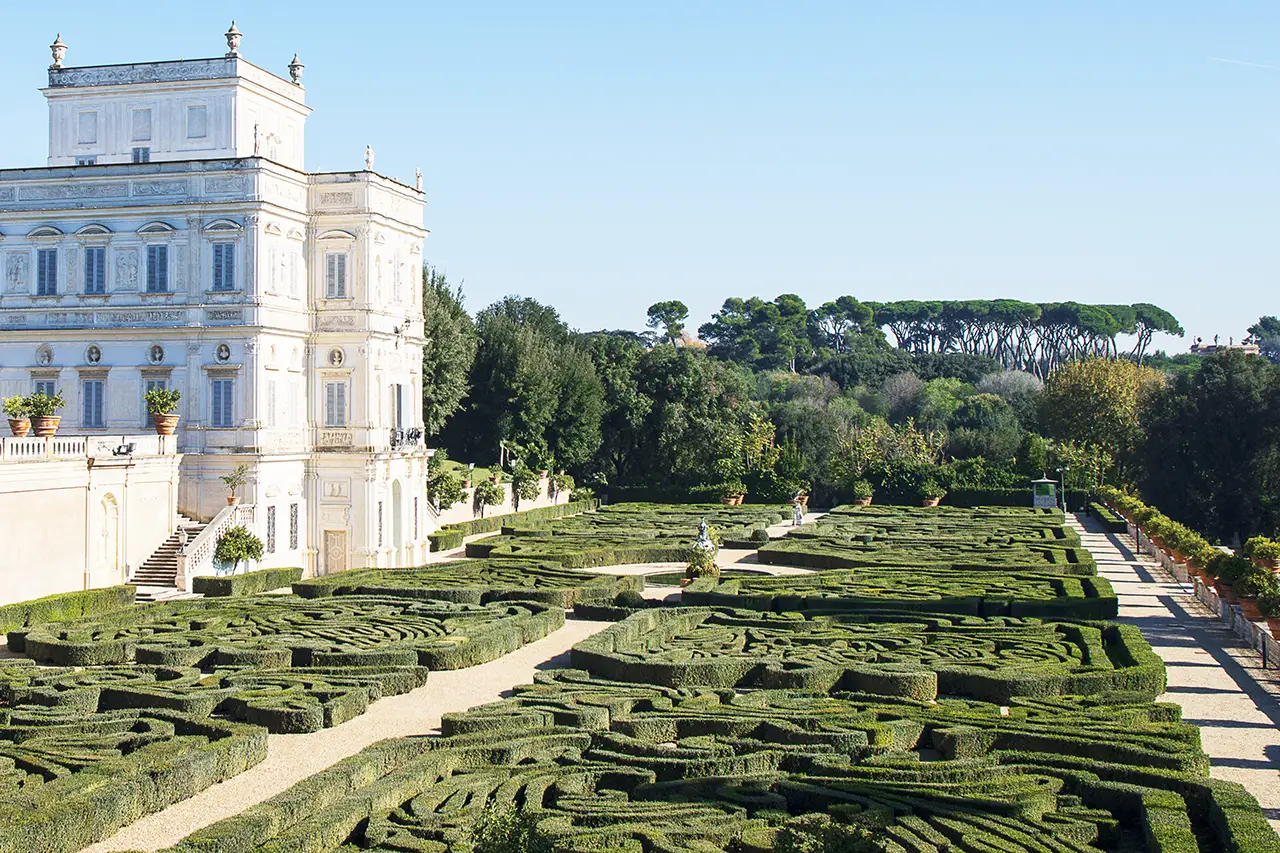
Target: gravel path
x: 292, y: 758
x: 1218, y: 680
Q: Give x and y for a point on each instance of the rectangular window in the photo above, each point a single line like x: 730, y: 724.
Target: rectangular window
x: 157, y: 269
x: 150, y: 385
x: 397, y: 406
x: 47, y: 272
x: 224, y: 266
x: 142, y: 125
x: 88, y: 127
x: 271, y: 530
x: 335, y: 275
x: 197, y: 122
x: 93, y: 392
x: 47, y: 387
x: 335, y: 404
x: 95, y: 269
x: 86, y: 161
x: 293, y: 527
x: 142, y: 155
x: 222, y: 403
x: 271, y: 402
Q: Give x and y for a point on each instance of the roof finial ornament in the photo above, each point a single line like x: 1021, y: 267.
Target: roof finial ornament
x: 233, y: 40
x: 295, y: 69
x: 417, y: 179
x: 368, y: 158
x: 59, y: 49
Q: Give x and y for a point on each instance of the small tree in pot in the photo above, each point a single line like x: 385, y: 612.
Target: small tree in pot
x: 931, y: 492
x: 161, y: 405
x: 233, y: 481
x: 15, y: 408
x: 862, y: 492
x: 488, y: 494
x: 41, y: 409
x: 238, y: 544
x: 525, y: 485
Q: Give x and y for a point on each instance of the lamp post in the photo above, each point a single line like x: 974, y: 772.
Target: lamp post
x: 1062, y: 477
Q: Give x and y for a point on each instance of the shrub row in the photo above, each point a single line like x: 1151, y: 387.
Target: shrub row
x: 67, y: 605
x: 249, y: 583
x: 1037, y: 594
x: 886, y: 653
x: 1171, y: 535
x: 1111, y: 520
x: 602, y: 765
x: 451, y: 536
x: 477, y: 582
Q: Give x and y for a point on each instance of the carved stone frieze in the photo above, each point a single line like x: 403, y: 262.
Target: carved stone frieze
x: 127, y: 269
x: 15, y: 273
x: 54, y: 192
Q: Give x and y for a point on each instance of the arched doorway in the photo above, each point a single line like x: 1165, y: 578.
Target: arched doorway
x: 109, y: 538
x: 397, y: 522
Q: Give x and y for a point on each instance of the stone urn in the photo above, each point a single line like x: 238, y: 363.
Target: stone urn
x: 165, y: 424
x: 45, y: 426
x: 20, y: 426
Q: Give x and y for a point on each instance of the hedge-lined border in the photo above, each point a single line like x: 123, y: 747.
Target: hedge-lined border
x: 249, y: 583
x: 64, y: 606
x: 451, y: 536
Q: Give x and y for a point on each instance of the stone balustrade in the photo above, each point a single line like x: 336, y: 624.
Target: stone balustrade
x: 63, y: 447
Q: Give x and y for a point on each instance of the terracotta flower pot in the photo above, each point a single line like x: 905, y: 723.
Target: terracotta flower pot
x: 1273, y: 625
x: 930, y: 501
x: 165, y: 424
x: 232, y: 500
x: 862, y: 501
x: 47, y: 426
x: 466, y: 484
x: 1225, y: 592
x: 19, y: 426
x: 1249, y: 606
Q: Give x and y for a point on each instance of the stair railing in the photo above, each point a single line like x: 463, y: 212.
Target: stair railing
x: 196, y: 557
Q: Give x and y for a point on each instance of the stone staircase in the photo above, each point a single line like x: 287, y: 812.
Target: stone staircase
x: 156, y: 579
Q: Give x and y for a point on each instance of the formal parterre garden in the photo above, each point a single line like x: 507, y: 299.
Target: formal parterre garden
x: 974, y: 701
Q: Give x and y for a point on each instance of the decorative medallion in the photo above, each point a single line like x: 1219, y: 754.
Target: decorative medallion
x: 336, y: 357
x: 156, y: 354
x: 223, y: 353
x: 44, y: 356
x: 93, y: 355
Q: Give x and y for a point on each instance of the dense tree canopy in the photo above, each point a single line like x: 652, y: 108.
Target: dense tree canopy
x: 668, y: 317
x: 449, y: 350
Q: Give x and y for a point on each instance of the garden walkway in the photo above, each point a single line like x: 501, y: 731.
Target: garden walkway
x: 292, y: 758
x: 1218, y: 680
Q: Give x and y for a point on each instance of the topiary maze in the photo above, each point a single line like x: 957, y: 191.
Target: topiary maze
x: 601, y: 765
x: 985, y: 538
x: 477, y: 582
x: 937, y: 591
x: 630, y: 533
x: 146, y: 706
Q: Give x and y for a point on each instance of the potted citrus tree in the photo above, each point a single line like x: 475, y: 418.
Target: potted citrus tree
x: 1269, y: 604
x: 862, y: 492
x: 488, y: 494
x: 733, y: 493
x: 161, y: 405
x: 15, y: 408
x: 42, y: 409
x: 239, y: 544
x: 931, y: 492
x: 233, y: 481
x: 1256, y: 583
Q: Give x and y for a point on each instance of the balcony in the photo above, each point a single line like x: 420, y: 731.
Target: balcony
x: 65, y: 447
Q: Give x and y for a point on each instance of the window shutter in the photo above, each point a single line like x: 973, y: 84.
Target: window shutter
x: 217, y: 267
x: 342, y: 276
x: 229, y: 266
x: 151, y: 269
x: 330, y: 276
x: 216, y: 399
x: 342, y: 404
x: 330, y: 404
x: 271, y: 403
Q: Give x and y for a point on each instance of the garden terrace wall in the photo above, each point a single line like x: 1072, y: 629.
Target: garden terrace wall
x: 907, y: 655
x: 249, y: 583
x: 452, y: 535
x: 67, y: 605
x: 1038, y: 594
x: 477, y: 582
x: 603, y: 765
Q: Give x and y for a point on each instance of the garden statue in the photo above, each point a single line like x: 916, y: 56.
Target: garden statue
x: 704, y: 542
x: 797, y: 514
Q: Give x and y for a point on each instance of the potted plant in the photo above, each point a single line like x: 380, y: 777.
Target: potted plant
x: 161, y: 405
x: 733, y: 493
x: 233, y: 481
x: 1227, y: 570
x: 15, y: 408
x: 862, y: 492
x: 525, y: 485
x: 931, y: 492
x: 1255, y: 584
x: 238, y: 544
x: 1263, y: 551
x: 1269, y: 605
x: 488, y: 494
x: 41, y: 408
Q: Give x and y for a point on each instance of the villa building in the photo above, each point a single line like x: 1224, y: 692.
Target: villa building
x: 174, y: 239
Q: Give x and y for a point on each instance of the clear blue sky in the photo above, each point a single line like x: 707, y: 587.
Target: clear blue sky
x: 601, y: 156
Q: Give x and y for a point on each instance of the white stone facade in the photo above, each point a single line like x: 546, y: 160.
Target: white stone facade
x: 285, y: 306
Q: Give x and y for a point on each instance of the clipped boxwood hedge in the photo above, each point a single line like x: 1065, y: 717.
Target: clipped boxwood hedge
x: 452, y: 535
x: 249, y: 583
x: 67, y: 605
x: 604, y: 765
x: 477, y: 582
x: 1111, y: 520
